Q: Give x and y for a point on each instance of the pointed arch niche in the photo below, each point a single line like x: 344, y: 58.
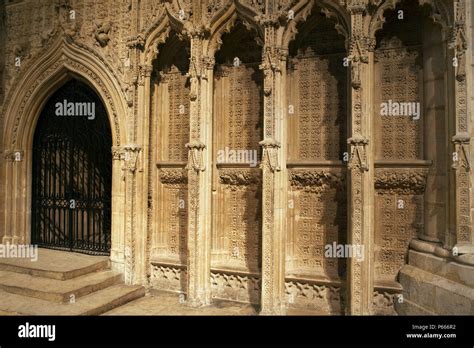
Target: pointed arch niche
x: 236, y: 183
x: 411, y: 132
x: 317, y: 127
x: 169, y: 133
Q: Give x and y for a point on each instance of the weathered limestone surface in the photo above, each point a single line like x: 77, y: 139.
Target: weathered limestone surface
x: 62, y: 283
x: 298, y: 86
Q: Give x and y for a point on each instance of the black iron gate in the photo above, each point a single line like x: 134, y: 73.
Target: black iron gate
x: 72, y: 173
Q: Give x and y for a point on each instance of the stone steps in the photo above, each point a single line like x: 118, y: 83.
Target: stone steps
x: 56, y: 264
x: 428, y: 293
x: 93, y: 304
x: 62, y: 283
x: 60, y: 291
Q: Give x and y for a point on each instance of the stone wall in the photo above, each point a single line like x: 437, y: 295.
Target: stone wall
x: 300, y: 84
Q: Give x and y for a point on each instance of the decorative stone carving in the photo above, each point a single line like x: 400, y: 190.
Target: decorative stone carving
x: 235, y: 287
x: 400, y: 181
x: 383, y: 303
x: 270, y: 154
x: 196, y: 149
x: 118, y: 41
x: 358, y: 158
x: 173, y: 176
x: 194, y: 75
x: 239, y: 177
x: 398, y: 74
x: 102, y: 32
x: 315, y: 180
x: 461, y: 142
x: 324, y: 299
x: 67, y: 18
x: 131, y: 155
x: 170, y: 278
x: 318, y: 111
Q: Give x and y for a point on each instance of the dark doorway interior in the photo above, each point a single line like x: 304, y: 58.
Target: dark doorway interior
x: 72, y: 172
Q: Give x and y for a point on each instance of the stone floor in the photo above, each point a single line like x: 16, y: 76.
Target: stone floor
x: 44, y: 287
x: 167, y: 303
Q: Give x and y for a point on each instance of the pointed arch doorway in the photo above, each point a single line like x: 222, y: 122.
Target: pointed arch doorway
x: 72, y: 172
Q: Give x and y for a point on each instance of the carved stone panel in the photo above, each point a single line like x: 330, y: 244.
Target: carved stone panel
x: 399, y: 106
x: 317, y: 217
x: 239, y: 110
x: 168, y: 277
x: 317, y: 93
x: 238, y: 237
x: 317, y: 119
x: 321, y: 298
x: 176, y: 123
x: 235, y: 287
x: 317, y: 108
x: 398, y: 217
x: 174, y: 215
x: 237, y: 132
x: 169, y: 189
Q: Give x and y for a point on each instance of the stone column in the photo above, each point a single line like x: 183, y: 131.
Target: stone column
x: 273, y: 206
x: 143, y: 139
x: 361, y: 168
x: 13, y: 231
x: 199, y: 179
x: 463, y: 239
x: 130, y: 167
x: 117, y: 247
x: 133, y: 154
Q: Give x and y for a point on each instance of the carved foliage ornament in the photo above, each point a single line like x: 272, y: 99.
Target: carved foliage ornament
x: 239, y: 177
x: 129, y: 154
x: 400, y: 181
x: 315, y: 180
x: 173, y: 176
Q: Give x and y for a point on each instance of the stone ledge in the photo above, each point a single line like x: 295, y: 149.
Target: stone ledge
x: 456, y: 272
x: 434, y: 293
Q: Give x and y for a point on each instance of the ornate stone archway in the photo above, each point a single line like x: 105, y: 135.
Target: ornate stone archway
x: 60, y: 64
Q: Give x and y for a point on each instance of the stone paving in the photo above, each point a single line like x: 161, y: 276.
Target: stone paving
x: 167, y: 303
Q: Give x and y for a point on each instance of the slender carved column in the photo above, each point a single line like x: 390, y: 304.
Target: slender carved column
x: 131, y: 153
x: 143, y: 138
x: 361, y: 169
x: 463, y: 238
x: 273, y: 231
x: 12, y: 232
x: 130, y: 167
x: 117, y: 248
x: 199, y: 180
